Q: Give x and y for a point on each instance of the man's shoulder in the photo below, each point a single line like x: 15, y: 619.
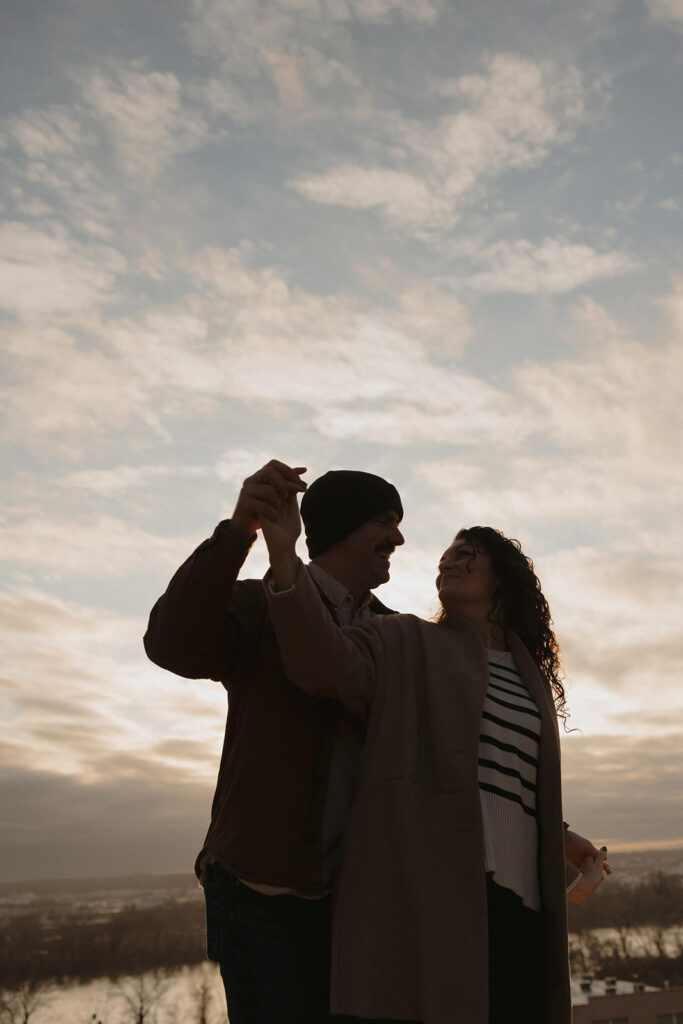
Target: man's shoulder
x: 399, y: 626
x: 377, y: 608
x: 252, y: 588
x: 391, y: 621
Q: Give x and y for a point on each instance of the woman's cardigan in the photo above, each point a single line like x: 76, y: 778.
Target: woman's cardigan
x: 410, y: 922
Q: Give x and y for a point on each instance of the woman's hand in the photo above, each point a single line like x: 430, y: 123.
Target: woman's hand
x: 577, y: 848
x: 262, y: 494
x: 593, y: 871
x: 280, y: 531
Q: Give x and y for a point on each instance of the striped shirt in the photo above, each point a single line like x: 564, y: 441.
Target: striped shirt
x: 508, y: 762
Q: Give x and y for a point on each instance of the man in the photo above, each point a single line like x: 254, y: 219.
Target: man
x: 286, y: 775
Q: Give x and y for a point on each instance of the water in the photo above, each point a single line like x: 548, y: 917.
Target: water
x: 172, y: 999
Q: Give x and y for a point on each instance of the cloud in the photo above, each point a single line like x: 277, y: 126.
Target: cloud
x: 294, y: 55
x: 608, y: 604
x: 108, y: 483
x: 401, y: 196
x: 424, y: 11
x: 243, y: 334
x: 100, y: 548
x: 105, y: 703
x: 600, y: 429
x: 145, y: 112
x: 666, y: 10
x: 44, y: 272
x: 74, y: 391
x: 140, y: 818
x: 621, y: 789
x: 511, y: 117
x: 269, y: 343
x: 552, y: 266
x: 232, y: 466
x: 290, y: 25
x: 625, y: 392
x: 246, y: 335
x: 42, y: 134
x: 527, y: 490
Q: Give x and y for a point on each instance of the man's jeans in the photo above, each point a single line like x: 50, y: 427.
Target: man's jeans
x: 273, y: 952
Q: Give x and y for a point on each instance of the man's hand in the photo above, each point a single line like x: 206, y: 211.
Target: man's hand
x: 593, y: 871
x: 263, y: 495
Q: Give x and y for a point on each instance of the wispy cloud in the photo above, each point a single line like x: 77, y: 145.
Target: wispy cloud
x: 293, y: 55
x: 551, y: 266
x: 510, y: 117
x: 149, y: 121
x: 105, y: 700
x: 44, y: 133
x: 625, y: 392
x: 45, y: 272
x: 102, y: 547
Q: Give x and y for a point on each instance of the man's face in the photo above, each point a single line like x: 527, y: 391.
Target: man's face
x: 367, y: 550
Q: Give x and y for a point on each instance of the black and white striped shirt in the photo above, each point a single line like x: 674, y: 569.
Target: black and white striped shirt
x: 508, y: 762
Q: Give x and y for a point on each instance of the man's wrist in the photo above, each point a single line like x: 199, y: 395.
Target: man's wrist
x: 242, y: 530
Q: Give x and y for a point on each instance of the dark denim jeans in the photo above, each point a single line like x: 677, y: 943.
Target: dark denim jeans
x: 273, y: 952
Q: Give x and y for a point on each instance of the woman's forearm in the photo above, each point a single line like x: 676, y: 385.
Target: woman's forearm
x: 283, y: 567
x: 317, y: 655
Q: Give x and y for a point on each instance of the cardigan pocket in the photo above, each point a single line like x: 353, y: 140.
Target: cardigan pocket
x: 423, y: 813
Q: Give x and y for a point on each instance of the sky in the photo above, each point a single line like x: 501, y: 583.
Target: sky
x: 436, y: 241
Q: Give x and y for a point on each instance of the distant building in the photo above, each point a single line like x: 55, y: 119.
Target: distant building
x: 608, y: 1001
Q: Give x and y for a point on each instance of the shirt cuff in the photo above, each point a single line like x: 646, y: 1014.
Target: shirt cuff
x: 270, y: 585
x: 572, y: 885
x: 278, y: 593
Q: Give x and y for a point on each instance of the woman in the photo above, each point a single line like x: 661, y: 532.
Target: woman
x: 450, y: 903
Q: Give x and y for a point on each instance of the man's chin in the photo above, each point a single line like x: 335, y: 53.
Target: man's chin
x: 381, y: 576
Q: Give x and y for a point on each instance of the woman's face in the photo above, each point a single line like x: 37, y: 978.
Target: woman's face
x: 465, y: 583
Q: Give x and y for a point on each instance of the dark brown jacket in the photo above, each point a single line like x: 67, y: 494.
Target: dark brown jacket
x: 266, y: 818
x: 410, y: 933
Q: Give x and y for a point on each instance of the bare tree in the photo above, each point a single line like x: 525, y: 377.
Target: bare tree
x: 18, y: 1004
x: 203, y: 995
x: 142, y: 997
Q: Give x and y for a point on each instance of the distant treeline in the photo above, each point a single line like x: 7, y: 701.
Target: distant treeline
x: 647, y: 919
x: 67, y: 946
x: 62, y: 944
x: 61, y: 887
x: 655, y: 901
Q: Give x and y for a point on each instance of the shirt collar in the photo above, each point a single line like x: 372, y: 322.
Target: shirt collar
x: 335, y: 592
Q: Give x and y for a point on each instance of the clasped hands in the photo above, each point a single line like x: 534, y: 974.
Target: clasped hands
x: 268, y: 501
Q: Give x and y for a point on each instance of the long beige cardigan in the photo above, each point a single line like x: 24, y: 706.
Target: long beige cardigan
x: 410, y: 927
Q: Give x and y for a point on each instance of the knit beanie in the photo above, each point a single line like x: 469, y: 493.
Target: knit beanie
x: 340, y: 501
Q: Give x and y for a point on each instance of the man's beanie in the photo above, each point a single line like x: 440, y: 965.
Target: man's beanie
x: 340, y: 501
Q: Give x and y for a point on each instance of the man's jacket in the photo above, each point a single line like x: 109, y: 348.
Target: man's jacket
x: 267, y: 812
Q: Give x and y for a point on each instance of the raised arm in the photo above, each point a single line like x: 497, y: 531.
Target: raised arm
x: 318, y: 656
x: 197, y: 627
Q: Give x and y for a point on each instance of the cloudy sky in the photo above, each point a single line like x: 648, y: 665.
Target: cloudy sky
x: 436, y: 241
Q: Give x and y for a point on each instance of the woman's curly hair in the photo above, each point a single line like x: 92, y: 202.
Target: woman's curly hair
x: 519, y: 604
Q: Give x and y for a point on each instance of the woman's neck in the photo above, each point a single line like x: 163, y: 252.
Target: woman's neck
x: 491, y: 633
